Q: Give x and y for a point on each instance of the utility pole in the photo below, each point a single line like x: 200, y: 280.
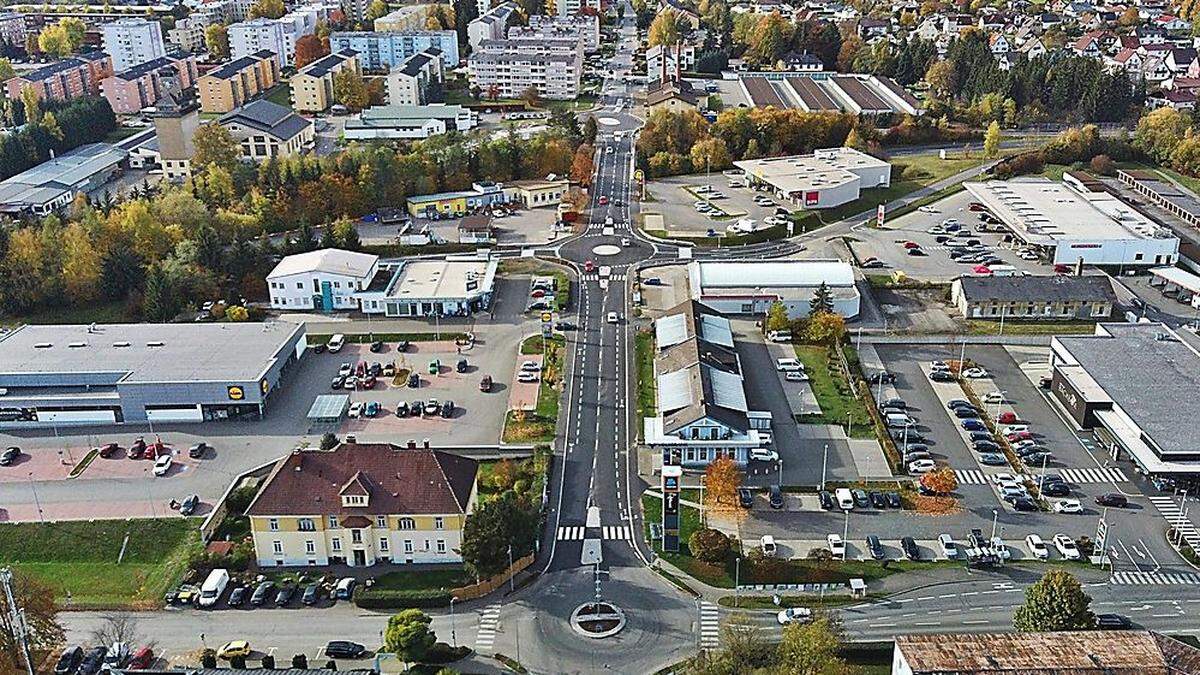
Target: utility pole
x: 17, y: 618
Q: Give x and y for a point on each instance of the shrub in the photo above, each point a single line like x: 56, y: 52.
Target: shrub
x: 328, y: 441
x: 709, y: 545
x: 1103, y: 165
x: 380, y: 598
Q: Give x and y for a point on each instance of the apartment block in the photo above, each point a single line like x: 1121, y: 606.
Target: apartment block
x: 384, y: 50
x: 12, y: 28
x: 188, y: 33
x: 238, y: 81
x: 418, y: 81
x: 489, y: 26
x: 585, y: 27
x: 130, y: 91
x: 132, y: 42
x: 312, y: 87
x: 277, y: 35
x: 64, y: 80
x: 407, y: 17
x: 568, y: 8
x: 508, y: 68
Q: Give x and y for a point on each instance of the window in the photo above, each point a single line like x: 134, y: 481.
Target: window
x: 336, y: 544
x: 383, y: 544
x: 408, y: 547
x: 426, y: 544
x: 333, y: 521
x: 439, y: 523
x: 277, y: 546
x: 300, y: 285
x: 406, y: 524
x: 310, y: 547
x: 354, y: 500
x: 306, y: 525
x: 273, y: 524
x: 356, y: 536
x: 441, y: 545
x: 380, y: 521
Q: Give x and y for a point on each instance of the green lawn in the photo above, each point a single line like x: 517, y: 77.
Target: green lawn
x: 433, y: 579
x: 281, y: 95
x: 833, y: 393
x: 80, y: 557
x: 583, y: 102
x: 100, y: 312
x: 121, y: 133
x: 979, y: 327
x: 689, y: 521
x: 538, y: 425
x: 646, y: 395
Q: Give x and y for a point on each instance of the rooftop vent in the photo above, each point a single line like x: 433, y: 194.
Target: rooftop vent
x: 154, y: 343
x: 43, y: 345
x: 77, y: 345
x: 120, y: 344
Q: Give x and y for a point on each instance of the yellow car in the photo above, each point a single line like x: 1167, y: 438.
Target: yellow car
x: 234, y: 648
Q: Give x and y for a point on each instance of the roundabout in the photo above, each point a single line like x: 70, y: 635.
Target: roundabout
x: 606, y: 249
x: 608, y: 121
x: 597, y: 620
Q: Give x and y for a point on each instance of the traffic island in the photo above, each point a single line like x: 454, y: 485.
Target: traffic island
x: 597, y: 619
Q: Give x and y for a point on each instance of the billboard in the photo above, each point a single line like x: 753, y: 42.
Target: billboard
x: 812, y: 197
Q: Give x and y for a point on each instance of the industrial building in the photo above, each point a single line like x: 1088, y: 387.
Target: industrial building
x: 1180, y: 203
x: 1041, y: 297
x: 409, y: 121
x: 1137, y: 387
x: 827, y: 178
x: 54, y: 183
x: 829, y: 92
x: 1077, y: 221
x: 452, y: 286
x: 54, y: 376
x: 751, y: 287
x: 530, y: 193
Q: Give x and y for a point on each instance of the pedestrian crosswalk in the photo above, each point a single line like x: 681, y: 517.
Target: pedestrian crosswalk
x: 970, y: 477
x: 596, y: 277
x: 1074, y: 476
x: 579, y: 532
x: 1168, y: 506
x: 489, y: 619
x: 1154, y: 578
x: 710, y: 626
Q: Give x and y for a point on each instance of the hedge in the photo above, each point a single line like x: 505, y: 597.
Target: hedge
x: 374, y: 598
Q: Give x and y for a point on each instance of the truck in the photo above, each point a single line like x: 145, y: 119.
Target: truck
x: 213, y: 587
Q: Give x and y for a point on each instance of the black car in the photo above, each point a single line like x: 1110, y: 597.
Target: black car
x: 982, y: 436
x: 262, y: 593
x: 188, y: 506
x: 414, y: 380
x: 9, y: 455
x: 875, y: 547
x: 1113, y: 622
x: 1057, y: 490
x: 912, y: 456
x: 337, y: 382
x: 69, y: 661
x: 861, y: 500
x: 563, y: 326
x: 1036, y: 458
x: 402, y: 346
x: 375, y: 369
x: 312, y: 594
x: 916, y: 252
x: 985, y: 446
x: 909, y: 545
x: 93, y: 661
x: 964, y: 412
x: 894, y: 403
x: 447, y: 409
x: 877, y: 499
x: 992, y: 459
x: 344, y: 649
x: 902, y: 435
x: 746, y: 497
x: 1112, y: 499
x: 941, y: 376
x: 826, y: 500
x: 198, y: 450
x: 775, y: 497
x: 285, y: 595
x: 882, y: 376
x: 320, y: 348
x: 1024, y: 504
x: 893, y: 500
x: 915, y: 447
x: 238, y: 596
x: 376, y: 347
x: 461, y: 366
x: 958, y: 403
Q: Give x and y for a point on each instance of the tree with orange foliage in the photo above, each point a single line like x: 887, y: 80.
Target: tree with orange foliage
x: 943, y: 481
x: 582, y: 165
x: 309, y: 48
x: 722, y: 479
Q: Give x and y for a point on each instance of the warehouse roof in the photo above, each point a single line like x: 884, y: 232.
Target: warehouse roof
x: 774, y: 274
x: 1038, y: 288
x: 148, y: 352
x: 328, y: 261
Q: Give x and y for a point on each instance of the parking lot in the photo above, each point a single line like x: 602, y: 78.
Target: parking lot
x: 675, y: 199
x: 887, y: 244
x: 523, y: 226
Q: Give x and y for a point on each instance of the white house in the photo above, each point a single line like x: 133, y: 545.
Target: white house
x: 323, y: 280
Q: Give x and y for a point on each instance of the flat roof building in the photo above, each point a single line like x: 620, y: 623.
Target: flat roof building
x: 1181, y: 203
x: 55, y: 182
x: 750, y: 287
x: 118, y: 373
x: 452, y: 286
x: 827, y: 178
x: 408, y: 121
x: 1138, y: 387
x: 1077, y: 220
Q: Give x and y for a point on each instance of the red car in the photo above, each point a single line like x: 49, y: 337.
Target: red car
x: 1019, y: 436
x: 108, y: 450
x: 141, y: 659
x: 1062, y: 269
x: 602, y: 201
x: 1007, y: 418
x: 976, y: 206
x: 589, y: 266
x: 911, y: 244
x: 368, y: 382
x: 156, y: 450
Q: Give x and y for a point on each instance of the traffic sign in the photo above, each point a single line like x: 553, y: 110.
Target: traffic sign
x: 547, y: 317
x: 879, y: 212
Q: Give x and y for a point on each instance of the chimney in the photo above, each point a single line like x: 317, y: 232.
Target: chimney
x: 412, y: 444
x: 1079, y: 267
x: 425, y: 443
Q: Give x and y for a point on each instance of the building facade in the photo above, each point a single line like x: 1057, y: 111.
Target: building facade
x: 383, y: 50
x: 362, y: 505
x: 405, y: 18
x: 418, y: 81
x: 412, y: 122
x: 259, y: 35
x: 323, y: 280
x: 132, y: 42
x: 1043, y: 298
x: 507, y: 68
x: 492, y: 25
x: 140, y: 87
x: 175, y: 126
x: 64, y: 80
x: 312, y: 86
x: 265, y: 130
x: 12, y: 28
x: 238, y: 82
x: 452, y: 286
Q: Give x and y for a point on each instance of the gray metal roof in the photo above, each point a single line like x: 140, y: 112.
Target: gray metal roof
x: 328, y: 407
x: 268, y: 117
x: 1040, y: 288
x: 1151, y: 374
x: 671, y: 330
x: 716, y: 329
x: 147, y: 352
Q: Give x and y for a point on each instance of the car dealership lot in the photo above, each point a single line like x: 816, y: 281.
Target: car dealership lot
x: 677, y: 204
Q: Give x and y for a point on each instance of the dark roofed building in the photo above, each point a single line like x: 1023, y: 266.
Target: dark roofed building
x: 1061, y: 653
x: 1042, y: 297
x: 363, y: 503
x: 267, y: 129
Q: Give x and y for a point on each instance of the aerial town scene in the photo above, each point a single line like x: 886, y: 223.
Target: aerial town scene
x: 704, y: 337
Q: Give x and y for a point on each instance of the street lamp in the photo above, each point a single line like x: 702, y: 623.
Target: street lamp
x: 453, y: 633
x: 824, y: 465
x: 781, y: 473
x: 995, y: 516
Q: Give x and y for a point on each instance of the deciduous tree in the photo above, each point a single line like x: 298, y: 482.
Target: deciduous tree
x: 350, y: 90
x: 777, y: 316
x: 267, y: 9
x: 825, y: 328
x: 216, y: 146
x: 722, y: 478
x: 376, y: 9
x: 489, y: 532
x: 991, y: 140
x: 942, y: 481
x: 1055, y: 603
x: 216, y: 40
x: 664, y: 30
x: 44, y: 633
x: 582, y: 165
x: 408, y: 636
x: 709, y: 545
x: 309, y: 48
x: 811, y: 648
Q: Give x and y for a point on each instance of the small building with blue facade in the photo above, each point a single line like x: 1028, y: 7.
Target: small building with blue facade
x: 383, y: 50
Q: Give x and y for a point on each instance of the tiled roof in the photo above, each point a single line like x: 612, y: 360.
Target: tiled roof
x: 268, y: 117
x: 1075, y: 653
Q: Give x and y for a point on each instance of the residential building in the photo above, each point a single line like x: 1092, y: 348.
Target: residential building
x: 1039, y: 297
x: 583, y: 27
x: 188, y: 32
x: 54, y: 183
x: 418, y: 81
x: 378, y: 51
x: 312, y: 86
x: 356, y: 10
x: 140, y: 87
x: 323, y: 280
x: 492, y: 25
x: 672, y: 96
x: 568, y: 8
x: 237, y: 82
x: 404, y: 18
x: 110, y: 374
x: 531, y: 194
x: 175, y: 125
x: 363, y: 504
x: 827, y: 178
x: 132, y: 42
x: 12, y: 28
x: 259, y: 35
x: 701, y: 412
x: 408, y: 121
x: 665, y: 63
x: 507, y: 68
x: 1089, y: 652
x: 265, y: 130
x: 459, y: 285
x: 752, y: 286
x: 64, y: 80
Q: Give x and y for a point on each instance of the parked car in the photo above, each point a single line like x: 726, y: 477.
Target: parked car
x: 312, y: 595
x: 118, y: 655
x: 763, y: 455
x: 485, y: 384
x: 109, y: 449
x: 372, y: 409
x: 402, y: 409
x: 992, y: 459
x: 1112, y: 499
x: 949, y: 548
x: 189, y: 505
x: 909, y: 546
x: 68, y: 662
x: 745, y: 497
x: 376, y: 347
x: 1024, y: 504
x: 975, y: 373
x: 345, y: 588
x: 1055, y: 490
x: 973, y: 425
x: 344, y: 649
x: 162, y: 465
x: 234, y: 648
x: 237, y: 596
x: 877, y: 499
x: 285, y: 594
x: 893, y: 500
x: 261, y: 593
x: 1066, y: 547
x: 10, y: 455
x: 826, y: 500
x: 141, y: 659
x: 767, y: 543
x: 356, y: 409
x: 836, y: 546
x: 92, y: 661
x: 1037, y: 547
x: 447, y: 409
x: 775, y: 497
x: 985, y: 446
x: 414, y: 380
x: 198, y: 450
x: 860, y: 498
x: 786, y: 364
x: 1113, y: 622
x: 941, y: 376
x: 875, y: 547
x: 922, y: 466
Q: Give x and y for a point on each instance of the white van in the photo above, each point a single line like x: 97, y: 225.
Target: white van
x: 845, y: 500
x: 768, y: 546
x: 779, y: 335
x: 898, y: 420
x: 345, y: 588
x: 213, y: 587
x: 1003, y: 270
x: 336, y: 343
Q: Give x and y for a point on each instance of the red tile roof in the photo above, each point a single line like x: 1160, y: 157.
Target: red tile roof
x: 398, y: 480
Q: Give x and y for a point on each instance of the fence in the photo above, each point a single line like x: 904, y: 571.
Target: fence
x: 482, y: 588
x: 215, y: 517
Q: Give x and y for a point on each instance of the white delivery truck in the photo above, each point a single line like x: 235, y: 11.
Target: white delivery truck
x: 213, y: 587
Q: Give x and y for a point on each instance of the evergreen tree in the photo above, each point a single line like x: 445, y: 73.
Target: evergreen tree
x: 822, y: 301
